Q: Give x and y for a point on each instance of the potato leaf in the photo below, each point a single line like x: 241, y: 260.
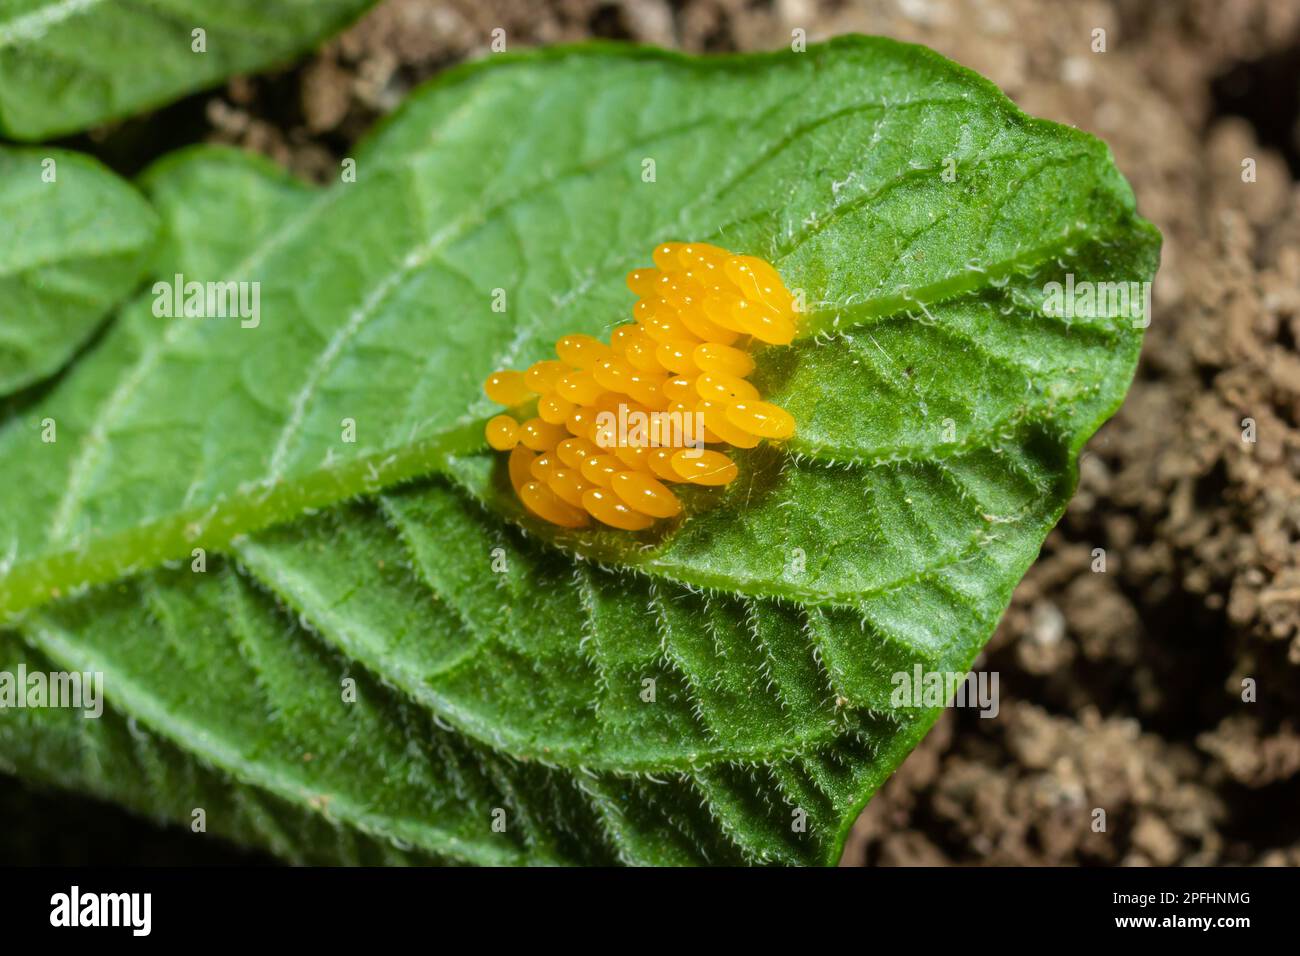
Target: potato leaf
x: 718, y: 691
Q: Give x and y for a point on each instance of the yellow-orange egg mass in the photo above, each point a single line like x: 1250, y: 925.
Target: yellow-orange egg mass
x: 616, y: 423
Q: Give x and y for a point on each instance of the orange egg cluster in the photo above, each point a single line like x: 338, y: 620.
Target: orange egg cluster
x: 676, y: 374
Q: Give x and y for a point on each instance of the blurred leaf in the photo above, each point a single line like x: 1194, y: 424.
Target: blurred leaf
x: 69, y: 64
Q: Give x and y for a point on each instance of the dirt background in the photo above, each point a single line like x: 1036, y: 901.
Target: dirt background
x: 1120, y: 690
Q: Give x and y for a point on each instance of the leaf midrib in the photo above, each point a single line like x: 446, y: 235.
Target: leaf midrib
x: 35, y: 581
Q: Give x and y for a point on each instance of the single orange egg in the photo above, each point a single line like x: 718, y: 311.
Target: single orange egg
x: 580, y: 351
x: 647, y: 495
x: 607, y: 508
x: 541, y: 376
x: 704, y: 468
x: 542, y: 501
x: 507, y: 388
x: 762, y: 419
x: 502, y: 432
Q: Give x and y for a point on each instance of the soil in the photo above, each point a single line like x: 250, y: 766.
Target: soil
x: 1122, y: 690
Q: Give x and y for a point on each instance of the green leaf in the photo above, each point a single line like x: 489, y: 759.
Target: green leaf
x: 69, y: 64
x: 75, y: 242
x: 940, y: 411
